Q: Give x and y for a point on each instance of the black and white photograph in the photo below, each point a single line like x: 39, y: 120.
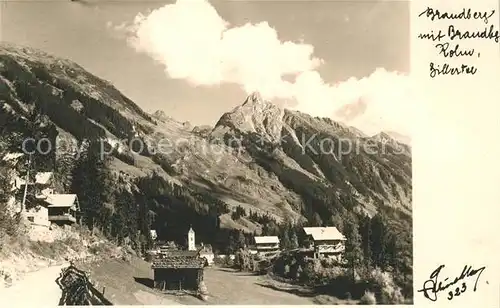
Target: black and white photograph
x: 198, y: 152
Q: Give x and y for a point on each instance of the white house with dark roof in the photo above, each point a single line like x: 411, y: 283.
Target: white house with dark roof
x: 48, y: 207
x: 12, y: 158
x: 154, y: 235
x: 328, y: 242
x: 38, y: 215
x: 43, y: 178
x: 42, y: 185
x: 267, y: 245
x: 207, y: 253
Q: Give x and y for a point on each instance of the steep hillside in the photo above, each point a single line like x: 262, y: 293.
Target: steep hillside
x: 272, y: 162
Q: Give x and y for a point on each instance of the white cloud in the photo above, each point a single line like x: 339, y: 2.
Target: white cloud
x: 195, y: 44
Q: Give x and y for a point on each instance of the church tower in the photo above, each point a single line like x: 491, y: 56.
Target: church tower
x: 191, y: 242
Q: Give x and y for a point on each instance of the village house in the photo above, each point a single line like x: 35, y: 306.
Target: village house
x: 207, y: 254
x: 12, y: 158
x: 328, y: 242
x: 48, y: 207
x: 165, y: 248
x: 40, y: 187
x: 267, y: 245
x: 154, y: 235
x: 179, y: 269
x: 38, y: 216
x: 62, y: 208
x: 37, y: 200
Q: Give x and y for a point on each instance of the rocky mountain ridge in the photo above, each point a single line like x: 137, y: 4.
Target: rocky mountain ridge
x: 258, y: 156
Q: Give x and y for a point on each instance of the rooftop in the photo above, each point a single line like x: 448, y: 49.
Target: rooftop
x: 179, y: 259
x: 324, y: 233
x: 12, y: 156
x: 205, y: 249
x: 40, y: 178
x: 43, y: 177
x: 266, y: 240
x: 181, y: 253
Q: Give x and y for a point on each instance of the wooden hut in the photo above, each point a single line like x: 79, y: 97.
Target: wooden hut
x: 178, y: 270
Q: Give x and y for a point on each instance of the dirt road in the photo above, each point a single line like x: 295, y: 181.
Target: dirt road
x: 34, y: 290
x: 234, y: 288
x: 130, y: 284
x: 230, y: 287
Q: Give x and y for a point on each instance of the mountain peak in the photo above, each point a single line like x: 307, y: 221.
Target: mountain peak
x: 254, y: 98
x: 160, y: 115
x: 386, y: 136
x: 254, y: 115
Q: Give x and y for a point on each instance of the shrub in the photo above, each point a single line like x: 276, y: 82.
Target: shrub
x: 385, y: 288
x: 223, y: 261
x: 287, y: 270
x: 243, y: 260
x: 315, y: 272
x: 298, y: 273
x: 264, y: 266
x: 9, y: 224
x: 127, y: 257
x: 368, y: 299
x: 202, y: 291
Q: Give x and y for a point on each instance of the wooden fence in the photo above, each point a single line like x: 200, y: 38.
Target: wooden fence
x: 78, y: 290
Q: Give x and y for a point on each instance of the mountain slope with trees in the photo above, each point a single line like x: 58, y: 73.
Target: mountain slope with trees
x: 260, y: 168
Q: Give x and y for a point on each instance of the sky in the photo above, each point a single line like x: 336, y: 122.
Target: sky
x: 195, y: 59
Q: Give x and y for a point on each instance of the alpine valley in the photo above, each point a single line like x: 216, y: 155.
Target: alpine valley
x: 258, y: 167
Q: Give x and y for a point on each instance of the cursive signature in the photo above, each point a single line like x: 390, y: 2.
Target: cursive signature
x: 434, y: 285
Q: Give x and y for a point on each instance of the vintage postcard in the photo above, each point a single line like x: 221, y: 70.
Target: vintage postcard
x: 216, y: 152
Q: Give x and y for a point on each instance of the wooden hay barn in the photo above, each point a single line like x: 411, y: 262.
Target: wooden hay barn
x: 178, y: 270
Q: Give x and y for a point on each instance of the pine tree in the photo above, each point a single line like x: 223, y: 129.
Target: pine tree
x: 7, y: 222
x: 365, y: 231
x: 337, y: 222
x: 231, y: 244
x: 65, y: 164
x: 294, y: 241
x: 270, y: 228
x: 145, y: 220
x: 236, y: 241
x: 117, y: 230
x: 354, y: 253
x: 379, y: 240
x: 285, y: 240
x: 317, y: 221
x: 241, y: 242
x: 126, y: 210
x: 90, y: 183
x: 392, y: 250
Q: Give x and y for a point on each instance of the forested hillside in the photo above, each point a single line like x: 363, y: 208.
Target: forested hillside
x: 259, y: 170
